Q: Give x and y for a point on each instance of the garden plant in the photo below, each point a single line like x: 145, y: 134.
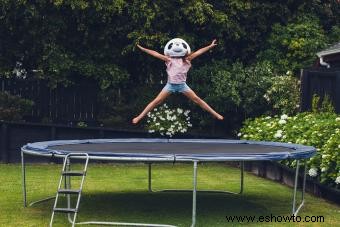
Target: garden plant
x: 318, y: 129
x: 168, y: 121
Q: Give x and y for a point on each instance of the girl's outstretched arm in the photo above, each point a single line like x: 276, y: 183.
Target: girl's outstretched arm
x: 201, y: 51
x: 154, y: 53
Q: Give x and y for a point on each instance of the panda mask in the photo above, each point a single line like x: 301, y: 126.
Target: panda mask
x: 177, y: 48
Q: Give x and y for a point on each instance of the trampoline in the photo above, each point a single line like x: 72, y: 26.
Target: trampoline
x: 173, y: 150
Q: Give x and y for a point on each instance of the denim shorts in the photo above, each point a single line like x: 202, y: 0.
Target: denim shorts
x: 173, y: 88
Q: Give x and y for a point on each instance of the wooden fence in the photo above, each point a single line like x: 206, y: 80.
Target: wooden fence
x: 61, y: 104
x: 13, y: 135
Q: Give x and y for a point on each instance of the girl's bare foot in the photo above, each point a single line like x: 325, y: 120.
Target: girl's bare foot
x: 135, y: 120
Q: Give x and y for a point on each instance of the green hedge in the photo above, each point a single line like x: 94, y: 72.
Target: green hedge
x: 13, y: 108
x: 321, y: 130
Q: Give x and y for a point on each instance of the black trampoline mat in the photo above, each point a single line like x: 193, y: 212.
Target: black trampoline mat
x: 171, y: 148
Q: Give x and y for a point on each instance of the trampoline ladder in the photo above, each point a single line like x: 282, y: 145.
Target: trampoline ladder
x: 67, y: 191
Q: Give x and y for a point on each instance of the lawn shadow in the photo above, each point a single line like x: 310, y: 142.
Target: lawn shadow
x: 165, y: 207
x: 170, y: 207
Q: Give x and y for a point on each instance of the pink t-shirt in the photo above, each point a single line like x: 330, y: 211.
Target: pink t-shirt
x: 177, y: 70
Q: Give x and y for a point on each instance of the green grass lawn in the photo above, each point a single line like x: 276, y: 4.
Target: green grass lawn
x: 118, y: 192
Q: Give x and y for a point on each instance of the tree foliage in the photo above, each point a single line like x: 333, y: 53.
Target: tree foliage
x: 61, y: 38
x: 293, y: 46
x: 65, y: 41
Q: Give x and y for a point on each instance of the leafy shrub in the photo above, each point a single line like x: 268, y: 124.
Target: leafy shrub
x: 284, y: 95
x: 243, y: 86
x: 13, y: 108
x: 168, y: 122
x: 323, y: 104
x: 320, y: 130
x: 236, y: 90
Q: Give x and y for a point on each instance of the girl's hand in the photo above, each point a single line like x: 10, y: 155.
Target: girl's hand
x: 140, y: 47
x: 213, y: 43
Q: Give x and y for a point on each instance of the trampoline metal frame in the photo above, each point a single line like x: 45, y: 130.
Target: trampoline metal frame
x: 187, y: 190
x: 295, y: 207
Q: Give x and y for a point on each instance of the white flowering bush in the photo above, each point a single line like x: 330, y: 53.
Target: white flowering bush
x: 284, y: 94
x: 167, y: 121
x: 320, y: 130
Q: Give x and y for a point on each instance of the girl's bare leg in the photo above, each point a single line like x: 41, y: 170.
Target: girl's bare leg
x: 192, y: 96
x: 158, y: 100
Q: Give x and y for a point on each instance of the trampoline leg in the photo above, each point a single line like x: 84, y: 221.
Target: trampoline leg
x: 242, y: 177
x: 194, y: 192
x: 149, y: 180
x: 23, y: 175
x: 24, y: 186
x: 295, y: 210
x: 304, y: 181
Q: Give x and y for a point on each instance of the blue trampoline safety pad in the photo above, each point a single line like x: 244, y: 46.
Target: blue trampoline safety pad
x: 171, y: 150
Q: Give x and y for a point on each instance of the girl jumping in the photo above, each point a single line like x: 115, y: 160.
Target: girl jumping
x: 177, y: 57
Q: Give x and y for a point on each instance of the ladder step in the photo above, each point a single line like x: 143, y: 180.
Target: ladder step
x: 68, y: 191
x: 65, y: 210
x: 73, y: 173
